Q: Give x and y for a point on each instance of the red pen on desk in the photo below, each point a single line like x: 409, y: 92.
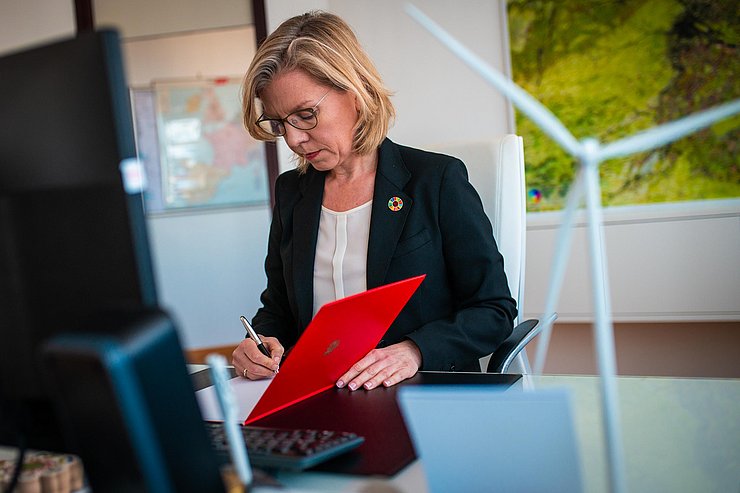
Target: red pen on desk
x: 253, y: 335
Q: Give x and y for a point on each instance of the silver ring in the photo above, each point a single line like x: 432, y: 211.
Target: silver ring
x: 245, y: 373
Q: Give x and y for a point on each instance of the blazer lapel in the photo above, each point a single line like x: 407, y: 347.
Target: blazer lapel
x: 386, y: 224
x: 306, y: 216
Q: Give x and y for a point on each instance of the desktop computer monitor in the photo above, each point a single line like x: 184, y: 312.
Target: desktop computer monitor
x: 72, y: 243
x: 75, y: 262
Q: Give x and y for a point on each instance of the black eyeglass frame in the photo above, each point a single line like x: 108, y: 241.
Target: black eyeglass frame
x: 282, y: 121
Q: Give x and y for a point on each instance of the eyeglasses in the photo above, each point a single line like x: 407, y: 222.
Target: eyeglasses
x: 304, y: 119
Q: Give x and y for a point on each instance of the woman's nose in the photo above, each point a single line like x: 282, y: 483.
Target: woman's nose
x: 294, y: 137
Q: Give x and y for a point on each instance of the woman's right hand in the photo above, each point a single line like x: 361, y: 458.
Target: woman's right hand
x: 250, y: 363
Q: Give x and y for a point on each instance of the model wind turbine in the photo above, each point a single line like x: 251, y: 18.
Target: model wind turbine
x: 590, y: 153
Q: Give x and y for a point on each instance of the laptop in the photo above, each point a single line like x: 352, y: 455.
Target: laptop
x: 341, y: 333
x: 485, y: 439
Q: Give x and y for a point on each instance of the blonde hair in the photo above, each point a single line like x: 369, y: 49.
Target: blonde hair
x: 323, y: 46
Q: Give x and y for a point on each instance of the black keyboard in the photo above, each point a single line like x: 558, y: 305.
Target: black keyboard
x: 286, y: 449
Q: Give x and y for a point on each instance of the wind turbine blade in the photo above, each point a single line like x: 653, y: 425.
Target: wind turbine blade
x: 668, y: 132
x: 535, y: 110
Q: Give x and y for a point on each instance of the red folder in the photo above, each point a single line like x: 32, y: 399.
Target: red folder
x: 340, y: 334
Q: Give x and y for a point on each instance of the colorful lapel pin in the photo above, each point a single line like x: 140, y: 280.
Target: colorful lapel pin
x: 395, y: 204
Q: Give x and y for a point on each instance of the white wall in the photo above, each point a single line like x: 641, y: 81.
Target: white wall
x: 664, y: 265
x: 671, y: 262
x: 32, y: 22
x: 437, y: 98
x: 209, y: 266
x: 137, y: 18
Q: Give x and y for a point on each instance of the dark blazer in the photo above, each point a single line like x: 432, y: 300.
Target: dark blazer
x: 463, y: 310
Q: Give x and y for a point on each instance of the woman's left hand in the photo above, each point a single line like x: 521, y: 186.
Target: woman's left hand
x: 386, y: 366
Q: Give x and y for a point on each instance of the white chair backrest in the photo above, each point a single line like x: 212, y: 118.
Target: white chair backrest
x: 496, y: 170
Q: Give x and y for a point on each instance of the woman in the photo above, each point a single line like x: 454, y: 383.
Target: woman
x: 361, y: 211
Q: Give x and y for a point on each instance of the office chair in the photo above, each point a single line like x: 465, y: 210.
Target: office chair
x: 496, y: 170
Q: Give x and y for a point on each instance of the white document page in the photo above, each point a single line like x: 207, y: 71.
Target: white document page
x: 246, y: 392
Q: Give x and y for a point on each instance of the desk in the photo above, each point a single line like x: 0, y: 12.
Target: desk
x: 678, y: 434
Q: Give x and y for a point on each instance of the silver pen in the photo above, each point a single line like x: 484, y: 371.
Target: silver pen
x: 253, y: 335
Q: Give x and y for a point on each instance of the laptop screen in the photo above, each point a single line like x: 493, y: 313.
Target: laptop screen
x: 487, y: 438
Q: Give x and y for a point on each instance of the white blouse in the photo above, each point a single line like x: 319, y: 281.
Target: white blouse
x: 340, y: 266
